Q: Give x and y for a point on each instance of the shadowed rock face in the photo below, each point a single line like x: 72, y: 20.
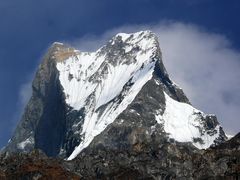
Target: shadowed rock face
x: 44, y: 121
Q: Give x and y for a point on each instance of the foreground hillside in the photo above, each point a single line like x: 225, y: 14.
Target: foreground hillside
x: 221, y: 162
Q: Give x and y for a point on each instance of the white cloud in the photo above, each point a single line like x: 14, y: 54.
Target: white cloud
x: 25, y: 93
x: 206, y: 67
x: 203, y: 63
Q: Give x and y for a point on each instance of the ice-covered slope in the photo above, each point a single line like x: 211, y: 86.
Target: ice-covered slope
x: 91, y: 82
x: 184, y: 124
x: 116, y: 96
x: 85, y: 73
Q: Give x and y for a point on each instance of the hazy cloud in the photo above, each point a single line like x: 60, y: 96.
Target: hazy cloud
x: 206, y: 67
x: 25, y: 93
x: 203, y: 63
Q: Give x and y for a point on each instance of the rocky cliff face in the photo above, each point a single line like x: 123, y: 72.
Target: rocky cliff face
x: 119, y: 98
x: 43, y: 123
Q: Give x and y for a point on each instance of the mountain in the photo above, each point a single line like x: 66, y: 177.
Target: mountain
x: 116, y: 97
x: 115, y: 113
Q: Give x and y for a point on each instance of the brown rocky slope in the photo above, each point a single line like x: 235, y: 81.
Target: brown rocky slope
x: 142, y: 162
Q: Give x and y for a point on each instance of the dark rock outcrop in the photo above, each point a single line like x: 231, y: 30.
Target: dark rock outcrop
x: 35, y: 165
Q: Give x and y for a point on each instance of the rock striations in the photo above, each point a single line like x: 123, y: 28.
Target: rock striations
x: 114, y: 111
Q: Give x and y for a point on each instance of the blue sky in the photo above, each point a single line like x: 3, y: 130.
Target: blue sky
x: 28, y: 28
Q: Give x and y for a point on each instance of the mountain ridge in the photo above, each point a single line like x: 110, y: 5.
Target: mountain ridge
x: 124, y: 86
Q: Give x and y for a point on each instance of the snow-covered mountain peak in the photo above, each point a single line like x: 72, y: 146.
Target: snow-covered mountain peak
x: 135, y: 37
x: 143, y: 40
x: 103, y: 83
x: 107, y: 70
x: 115, y: 96
x: 127, y: 46
x: 96, y: 80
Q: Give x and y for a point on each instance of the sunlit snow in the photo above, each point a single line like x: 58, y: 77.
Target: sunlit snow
x: 80, y: 78
x: 182, y: 122
x: 23, y: 144
x: 90, y: 80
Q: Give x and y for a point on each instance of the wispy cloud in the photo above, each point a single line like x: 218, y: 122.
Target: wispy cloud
x: 203, y: 63
x: 207, y: 68
x: 25, y: 93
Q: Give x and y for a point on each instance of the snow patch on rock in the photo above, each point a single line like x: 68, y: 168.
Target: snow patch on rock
x: 23, y: 144
x: 183, y: 123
